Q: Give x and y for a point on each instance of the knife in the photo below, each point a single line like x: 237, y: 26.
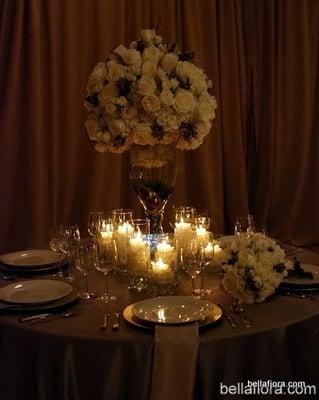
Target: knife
x: 33, y: 317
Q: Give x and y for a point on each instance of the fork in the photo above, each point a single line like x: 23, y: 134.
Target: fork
x: 116, y: 325
x: 106, y: 320
x: 228, y: 317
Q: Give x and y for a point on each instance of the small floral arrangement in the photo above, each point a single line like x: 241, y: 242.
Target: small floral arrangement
x: 254, y: 269
x: 148, y: 94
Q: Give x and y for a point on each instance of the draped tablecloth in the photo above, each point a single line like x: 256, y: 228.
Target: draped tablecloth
x: 71, y: 358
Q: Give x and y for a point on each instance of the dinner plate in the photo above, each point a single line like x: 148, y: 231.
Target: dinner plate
x: 35, y: 291
x: 298, y: 281
x: 39, y: 269
x: 31, y: 258
x: 172, y: 309
x: 128, y: 315
x: 64, y: 301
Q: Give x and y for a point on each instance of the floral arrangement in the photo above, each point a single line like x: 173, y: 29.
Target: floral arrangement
x: 148, y: 94
x: 254, y: 269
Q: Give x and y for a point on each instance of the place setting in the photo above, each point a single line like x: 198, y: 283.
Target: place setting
x: 31, y: 262
x: 37, y: 296
x: 172, y: 311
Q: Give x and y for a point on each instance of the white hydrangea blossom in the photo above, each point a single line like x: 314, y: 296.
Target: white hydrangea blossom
x: 254, y: 268
x: 148, y: 94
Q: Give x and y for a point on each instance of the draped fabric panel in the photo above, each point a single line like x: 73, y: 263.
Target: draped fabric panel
x: 261, y: 155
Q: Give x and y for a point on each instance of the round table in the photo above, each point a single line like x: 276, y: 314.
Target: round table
x: 73, y: 359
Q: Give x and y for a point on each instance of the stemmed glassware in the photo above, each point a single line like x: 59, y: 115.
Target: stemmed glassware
x: 95, y: 221
x: 85, y: 255
x: 106, y: 261
x: 192, y: 260
x: 69, y: 239
x: 55, y: 244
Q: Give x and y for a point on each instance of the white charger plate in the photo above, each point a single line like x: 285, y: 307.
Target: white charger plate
x: 30, y: 258
x: 214, y: 316
x: 294, y: 280
x: 35, y: 291
x: 172, y: 309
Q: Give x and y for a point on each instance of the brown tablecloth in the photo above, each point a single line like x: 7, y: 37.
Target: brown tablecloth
x: 73, y: 359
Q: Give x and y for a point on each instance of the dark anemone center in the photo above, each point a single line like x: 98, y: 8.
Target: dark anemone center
x: 157, y: 131
x: 93, y: 99
x: 124, y: 86
x: 186, y: 55
x: 188, y: 131
x: 119, y: 141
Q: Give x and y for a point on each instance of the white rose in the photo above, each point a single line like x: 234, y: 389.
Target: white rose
x: 92, y: 127
x: 121, y: 101
x: 149, y: 69
x: 110, y: 107
x: 169, y: 61
x: 118, y: 127
x: 107, y: 93
x: 198, y: 85
x: 151, y: 54
x: 184, y: 101
x: 132, y: 57
x: 203, y: 129
x: 205, y: 110
x: 142, y: 134
x: 129, y: 112
x: 166, y: 98
x: 97, y: 78
x: 115, y: 72
x: 120, y: 50
x: 151, y: 103
x: 146, y: 85
x: 185, y: 69
x: 147, y: 35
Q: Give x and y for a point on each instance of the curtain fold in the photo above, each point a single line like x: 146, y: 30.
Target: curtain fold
x: 262, y: 153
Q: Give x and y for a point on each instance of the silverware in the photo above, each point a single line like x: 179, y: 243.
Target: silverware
x: 52, y: 317
x: 238, y: 309
x: 116, y: 325
x: 300, y: 295
x: 105, y: 322
x: 228, y: 317
x: 34, y: 317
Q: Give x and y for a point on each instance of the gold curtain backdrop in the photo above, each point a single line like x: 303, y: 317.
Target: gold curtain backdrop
x: 262, y: 153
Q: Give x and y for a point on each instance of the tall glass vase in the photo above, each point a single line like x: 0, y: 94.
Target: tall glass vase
x: 153, y: 175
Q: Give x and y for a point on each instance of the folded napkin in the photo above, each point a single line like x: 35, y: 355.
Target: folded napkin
x: 174, y: 362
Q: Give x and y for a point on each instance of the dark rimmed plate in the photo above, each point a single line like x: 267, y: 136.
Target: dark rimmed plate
x: 68, y: 300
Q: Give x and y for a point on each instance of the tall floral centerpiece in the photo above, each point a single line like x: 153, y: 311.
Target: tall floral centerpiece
x: 149, y: 98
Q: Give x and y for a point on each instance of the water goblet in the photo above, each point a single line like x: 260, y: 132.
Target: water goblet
x: 122, y: 215
x: 106, y: 262
x: 54, y: 243
x: 95, y: 220
x: 70, y: 237
x: 85, y: 255
x: 190, y: 259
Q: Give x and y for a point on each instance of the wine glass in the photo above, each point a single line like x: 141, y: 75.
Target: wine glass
x: 106, y: 262
x: 191, y: 260
x: 70, y: 237
x: 85, y: 254
x: 54, y: 243
x: 95, y: 221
